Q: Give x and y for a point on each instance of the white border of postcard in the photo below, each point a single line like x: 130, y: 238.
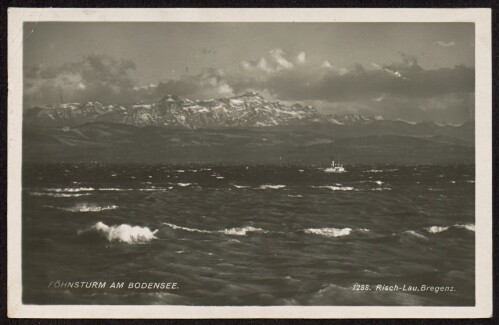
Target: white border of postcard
x: 483, y: 159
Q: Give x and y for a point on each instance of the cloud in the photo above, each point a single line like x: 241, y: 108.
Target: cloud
x: 94, y: 77
x: 405, y: 78
x: 211, y: 83
x: 282, y: 62
x: 400, y: 89
x: 445, y: 44
x: 301, y: 57
x: 274, y: 63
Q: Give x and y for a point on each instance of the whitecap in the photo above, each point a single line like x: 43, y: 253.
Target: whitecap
x: 374, y: 171
x: 436, y: 229
x: 273, y: 187
x: 379, y: 182
x: 301, y: 170
x: 336, y: 188
x: 468, y: 226
x: 184, y: 184
x: 123, y: 233
x: 220, y: 177
x: 180, y: 171
x: 89, y: 207
x: 415, y: 234
x: 58, y: 194
x: 240, y: 186
x: 237, y: 231
x: 114, y: 189
x: 171, y: 225
x: 70, y: 189
x: 329, y: 232
x: 242, y: 231
x: 153, y: 189
x: 298, y: 195
x: 382, y: 189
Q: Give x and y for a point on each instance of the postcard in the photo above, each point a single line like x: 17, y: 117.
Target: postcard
x: 249, y: 163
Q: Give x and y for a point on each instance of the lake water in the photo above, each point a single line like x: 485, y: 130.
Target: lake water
x: 248, y: 235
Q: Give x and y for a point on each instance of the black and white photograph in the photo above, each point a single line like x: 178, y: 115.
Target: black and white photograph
x: 249, y: 163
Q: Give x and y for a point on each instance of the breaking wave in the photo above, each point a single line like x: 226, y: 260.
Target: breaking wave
x: 439, y: 229
x: 89, y: 207
x: 237, y: 231
x: 436, y: 229
x: 58, y: 194
x: 171, y: 225
x: 242, y: 231
x: 184, y: 184
x: 468, y: 226
x: 335, y: 188
x: 273, y: 187
x: 415, y: 234
x: 155, y: 189
x: 331, y: 232
x: 115, y: 189
x: 123, y: 233
x: 70, y: 189
x: 240, y: 186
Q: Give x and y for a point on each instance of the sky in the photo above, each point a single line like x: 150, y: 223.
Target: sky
x: 411, y: 71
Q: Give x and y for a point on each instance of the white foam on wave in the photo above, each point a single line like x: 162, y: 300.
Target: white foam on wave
x: 379, y: 182
x: 439, y: 229
x: 468, y: 226
x: 329, y: 232
x: 171, y: 225
x: 436, y: 229
x: 237, y: 231
x: 70, y: 189
x: 336, y: 188
x: 154, y: 189
x: 242, y: 231
x: 184, y: 184
x: 123, y: 233
x: 374, y: 171
x: 114, y: 189
x: 240, y: 186
x: 273, y: 187
x: 89, y: 207
x: 382, y: 189
x: 297, y: 195
x: 415, y: 234
x: 58, y: 194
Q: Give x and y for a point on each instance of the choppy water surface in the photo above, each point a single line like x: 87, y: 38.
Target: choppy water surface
x: 248, y: 235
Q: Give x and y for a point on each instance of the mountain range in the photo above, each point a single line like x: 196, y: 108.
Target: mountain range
x: 240, y: 129
x: 247, y: 110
